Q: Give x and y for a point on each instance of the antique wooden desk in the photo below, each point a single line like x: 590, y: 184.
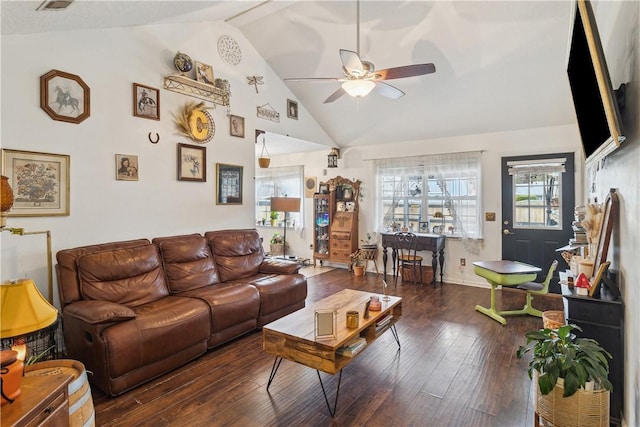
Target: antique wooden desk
x: 426, y: 242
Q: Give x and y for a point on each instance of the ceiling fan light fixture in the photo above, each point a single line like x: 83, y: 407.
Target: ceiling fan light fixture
x: 358, y: 88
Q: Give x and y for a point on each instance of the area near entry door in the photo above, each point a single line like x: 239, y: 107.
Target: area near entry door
x: 538, y: 199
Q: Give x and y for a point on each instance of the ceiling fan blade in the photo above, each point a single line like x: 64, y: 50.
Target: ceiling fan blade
x: 405, y: 71
x: 310, y: 79
x: 387, y: 90
x: 352, y: 62
x: 335, y: 95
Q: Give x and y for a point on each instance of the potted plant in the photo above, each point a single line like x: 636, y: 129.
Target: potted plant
x: 357, y: 263
x: 276, y: 244
x: 368, y: 243
x: 274, y: 218
x: 569, y: 367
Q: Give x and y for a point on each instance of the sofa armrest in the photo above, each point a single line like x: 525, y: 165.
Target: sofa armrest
x: 97, y: 312
x: 278, y: 266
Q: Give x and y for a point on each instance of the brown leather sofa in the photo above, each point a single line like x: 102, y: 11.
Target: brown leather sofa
x: 134, y: 310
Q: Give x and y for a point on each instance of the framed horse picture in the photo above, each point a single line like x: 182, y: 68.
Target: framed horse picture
x: 146, y: 102
x: 64, y: 97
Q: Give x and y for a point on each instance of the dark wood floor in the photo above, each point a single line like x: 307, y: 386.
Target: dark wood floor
x: 456, y: 367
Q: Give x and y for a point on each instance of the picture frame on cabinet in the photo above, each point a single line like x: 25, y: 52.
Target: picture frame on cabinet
x: 146, y: 102
x: 236, y: 126
x: 126, y: 167
x: 229, y: 184
x: 192, y: 163
x: 65, y: 97
x: 40, y: 182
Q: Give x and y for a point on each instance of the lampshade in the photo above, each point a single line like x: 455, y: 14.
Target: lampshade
x: 6, y: 199
x: 358, y: 88
x: 285, y: 204
x: 23, y: 309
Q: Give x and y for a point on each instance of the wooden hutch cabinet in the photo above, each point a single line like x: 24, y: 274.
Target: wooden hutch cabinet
x: 335, y: 216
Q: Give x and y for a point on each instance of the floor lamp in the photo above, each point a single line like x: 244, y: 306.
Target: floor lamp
x: 286, y: 205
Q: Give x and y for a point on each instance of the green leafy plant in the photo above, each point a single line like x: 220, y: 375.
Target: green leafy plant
x: 357, y: 258
x: 561, y: 354
x: 276, y: 239
x: 273, y: 215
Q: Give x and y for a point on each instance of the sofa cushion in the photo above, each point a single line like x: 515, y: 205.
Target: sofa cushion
x: 67, y: 268
x: 160, y: 329
x: 231, y: 304
x: 132, y: 276
x: 279, y: 291
x: 188, y: 263
x: 237, y: 253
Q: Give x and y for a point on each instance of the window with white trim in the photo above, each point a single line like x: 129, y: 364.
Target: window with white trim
x: 278, y: 182
x: 537, y: 193
x: 434, y: 194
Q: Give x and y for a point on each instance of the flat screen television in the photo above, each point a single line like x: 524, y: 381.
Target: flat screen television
x: 593, y: 95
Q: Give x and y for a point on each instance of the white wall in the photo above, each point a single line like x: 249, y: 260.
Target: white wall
x: 356, y: 164
x: 110, y: 61
x: 618, y: 24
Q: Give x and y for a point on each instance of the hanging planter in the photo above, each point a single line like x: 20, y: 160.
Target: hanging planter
x: 264, y: 161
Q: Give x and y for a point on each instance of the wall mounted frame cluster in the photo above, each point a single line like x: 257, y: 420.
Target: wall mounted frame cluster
x: 193, y: 88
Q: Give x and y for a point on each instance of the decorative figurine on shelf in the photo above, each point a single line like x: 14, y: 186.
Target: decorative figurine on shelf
x: 183, y: 62
x: 582, y: 285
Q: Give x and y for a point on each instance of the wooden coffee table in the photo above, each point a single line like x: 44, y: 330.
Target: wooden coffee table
x: 293, y: 337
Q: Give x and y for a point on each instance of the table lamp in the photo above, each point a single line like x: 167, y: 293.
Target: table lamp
x: 23, y: 310
x: 286, y: 205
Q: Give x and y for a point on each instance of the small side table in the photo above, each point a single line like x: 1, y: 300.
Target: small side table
x: 370, y: 254
x: 43, y: 401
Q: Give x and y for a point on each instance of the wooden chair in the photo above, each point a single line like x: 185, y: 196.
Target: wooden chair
x: 534, y: 288
x: 404, y: 245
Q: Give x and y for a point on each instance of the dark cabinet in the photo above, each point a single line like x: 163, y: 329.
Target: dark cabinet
x: 601, y: 318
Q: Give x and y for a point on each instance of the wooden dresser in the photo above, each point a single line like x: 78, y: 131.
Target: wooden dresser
x: 43, y: 401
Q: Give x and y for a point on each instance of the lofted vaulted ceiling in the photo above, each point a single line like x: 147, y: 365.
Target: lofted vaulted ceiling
x: 500, y: 65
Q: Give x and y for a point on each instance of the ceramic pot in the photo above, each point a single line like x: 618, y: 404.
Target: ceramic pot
x: 358, y: 270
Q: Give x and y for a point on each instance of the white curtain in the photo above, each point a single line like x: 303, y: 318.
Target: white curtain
x: 460, y: 170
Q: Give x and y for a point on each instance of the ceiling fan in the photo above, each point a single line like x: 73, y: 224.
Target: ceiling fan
x: 361, y: 77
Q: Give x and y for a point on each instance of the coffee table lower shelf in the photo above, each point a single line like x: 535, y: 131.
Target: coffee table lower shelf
x: 293, y: 337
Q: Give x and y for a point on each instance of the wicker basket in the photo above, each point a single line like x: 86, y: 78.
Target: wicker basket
x: 582, y: 409
x: 553, y: 319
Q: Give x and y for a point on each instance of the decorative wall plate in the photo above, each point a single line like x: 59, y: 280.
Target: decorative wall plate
x: 229, y: 50
x: 202, y: 126
x: 195, y: 122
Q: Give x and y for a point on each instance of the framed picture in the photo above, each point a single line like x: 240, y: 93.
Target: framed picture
x: 204, y: 73
x: 323, y: 188
x: 192, y: 163
x: 229, y: 188
x: 64, y: 97
x: 126, y: 167
x: 40, y: 182
x: 310, y: 185
x: 236, y: 126
x: 602, y: 270
x: 292, y: 109
x: 326, y: 325
x: 146, y: 102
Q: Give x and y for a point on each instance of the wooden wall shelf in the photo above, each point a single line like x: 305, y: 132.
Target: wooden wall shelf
x: 196, y: 89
